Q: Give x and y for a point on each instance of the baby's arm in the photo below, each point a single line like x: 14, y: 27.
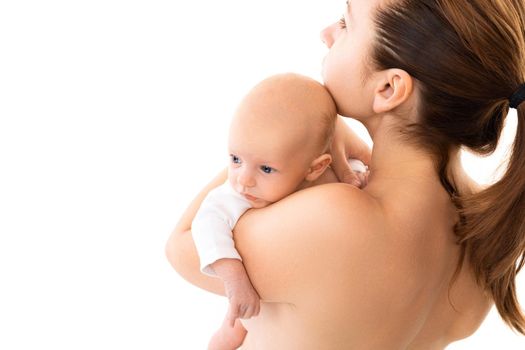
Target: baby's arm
x: 347, y: 145
x: 211, y: 230
x: 328, y: 176
x: 360, y: 170
x: 244, y: 300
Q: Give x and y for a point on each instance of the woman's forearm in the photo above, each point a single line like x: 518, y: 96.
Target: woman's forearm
x: 187, y: 217
x: 180, y: 249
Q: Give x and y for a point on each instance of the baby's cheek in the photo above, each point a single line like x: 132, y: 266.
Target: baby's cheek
x: 232, y: 181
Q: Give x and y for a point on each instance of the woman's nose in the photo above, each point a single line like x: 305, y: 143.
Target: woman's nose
x: 327, y: 35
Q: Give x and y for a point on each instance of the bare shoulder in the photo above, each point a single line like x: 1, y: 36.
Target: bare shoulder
x: 288, y: 247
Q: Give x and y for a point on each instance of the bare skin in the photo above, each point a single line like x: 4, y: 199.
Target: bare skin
x: 277, y: 146
x: 338, y: 267
x: 388, y: 224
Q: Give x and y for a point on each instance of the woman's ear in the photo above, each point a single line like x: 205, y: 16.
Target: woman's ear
x: 394, y: 87
x: 318, y: 166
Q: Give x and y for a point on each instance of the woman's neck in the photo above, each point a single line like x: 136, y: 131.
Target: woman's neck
x: 395, y: 159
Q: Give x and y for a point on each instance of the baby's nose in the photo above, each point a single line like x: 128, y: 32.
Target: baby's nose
x: 246, y: 180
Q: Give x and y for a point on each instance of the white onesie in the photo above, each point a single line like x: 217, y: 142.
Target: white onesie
x: 213, y: 224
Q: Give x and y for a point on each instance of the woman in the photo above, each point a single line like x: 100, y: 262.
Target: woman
x: 416, y: 259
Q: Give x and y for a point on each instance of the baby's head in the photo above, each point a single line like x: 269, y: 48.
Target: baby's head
x: 280, y: 137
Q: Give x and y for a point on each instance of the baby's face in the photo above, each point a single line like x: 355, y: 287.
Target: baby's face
x: 275, y: 136
x: 263, y: 182
x: 267, y: 162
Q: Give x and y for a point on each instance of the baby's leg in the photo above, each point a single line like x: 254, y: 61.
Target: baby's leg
x: 228, y: 338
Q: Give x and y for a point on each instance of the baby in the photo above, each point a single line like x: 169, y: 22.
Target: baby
x: 279, y: 143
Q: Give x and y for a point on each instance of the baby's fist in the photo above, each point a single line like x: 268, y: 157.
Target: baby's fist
x: 244, y: 301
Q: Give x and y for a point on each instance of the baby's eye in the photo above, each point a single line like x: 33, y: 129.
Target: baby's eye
x: 235, y: 159
x: 342, y: 22
x: 266, y: 169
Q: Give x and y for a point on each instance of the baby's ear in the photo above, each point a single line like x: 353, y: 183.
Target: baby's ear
x: 318, y: 166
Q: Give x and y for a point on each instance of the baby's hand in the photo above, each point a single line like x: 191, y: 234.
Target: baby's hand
x: 244, y: 300
x: 360, y: 170
x: 363, y: 177
x: 345, y: 145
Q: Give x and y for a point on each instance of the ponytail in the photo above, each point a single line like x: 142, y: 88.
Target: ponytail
x: 468, y: 57
x: 492, y: 232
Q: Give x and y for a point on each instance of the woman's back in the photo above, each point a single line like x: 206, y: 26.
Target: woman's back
x: 405, y: 275
x: 341, y: 268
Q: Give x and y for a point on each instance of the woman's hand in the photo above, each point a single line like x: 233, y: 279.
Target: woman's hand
x: 345, y: 145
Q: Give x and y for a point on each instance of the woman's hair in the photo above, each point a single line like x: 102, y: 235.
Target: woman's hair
x: 468, y: 57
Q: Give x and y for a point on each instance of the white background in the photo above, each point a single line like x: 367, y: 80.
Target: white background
x: 113, y: 114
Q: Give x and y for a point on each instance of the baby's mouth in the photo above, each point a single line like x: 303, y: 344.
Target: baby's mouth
x: 249, y: 197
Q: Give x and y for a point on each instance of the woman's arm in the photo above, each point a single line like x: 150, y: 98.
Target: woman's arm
x: 287, y: 246
x: 184, y: 223
x: 180, y: 248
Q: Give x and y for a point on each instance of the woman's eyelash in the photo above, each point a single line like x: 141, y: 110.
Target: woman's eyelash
x: 342, y: 22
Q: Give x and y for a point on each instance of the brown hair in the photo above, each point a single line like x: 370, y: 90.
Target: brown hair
x: 468, y: 58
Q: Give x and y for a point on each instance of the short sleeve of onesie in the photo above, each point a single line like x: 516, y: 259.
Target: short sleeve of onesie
x: 213, y: 224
